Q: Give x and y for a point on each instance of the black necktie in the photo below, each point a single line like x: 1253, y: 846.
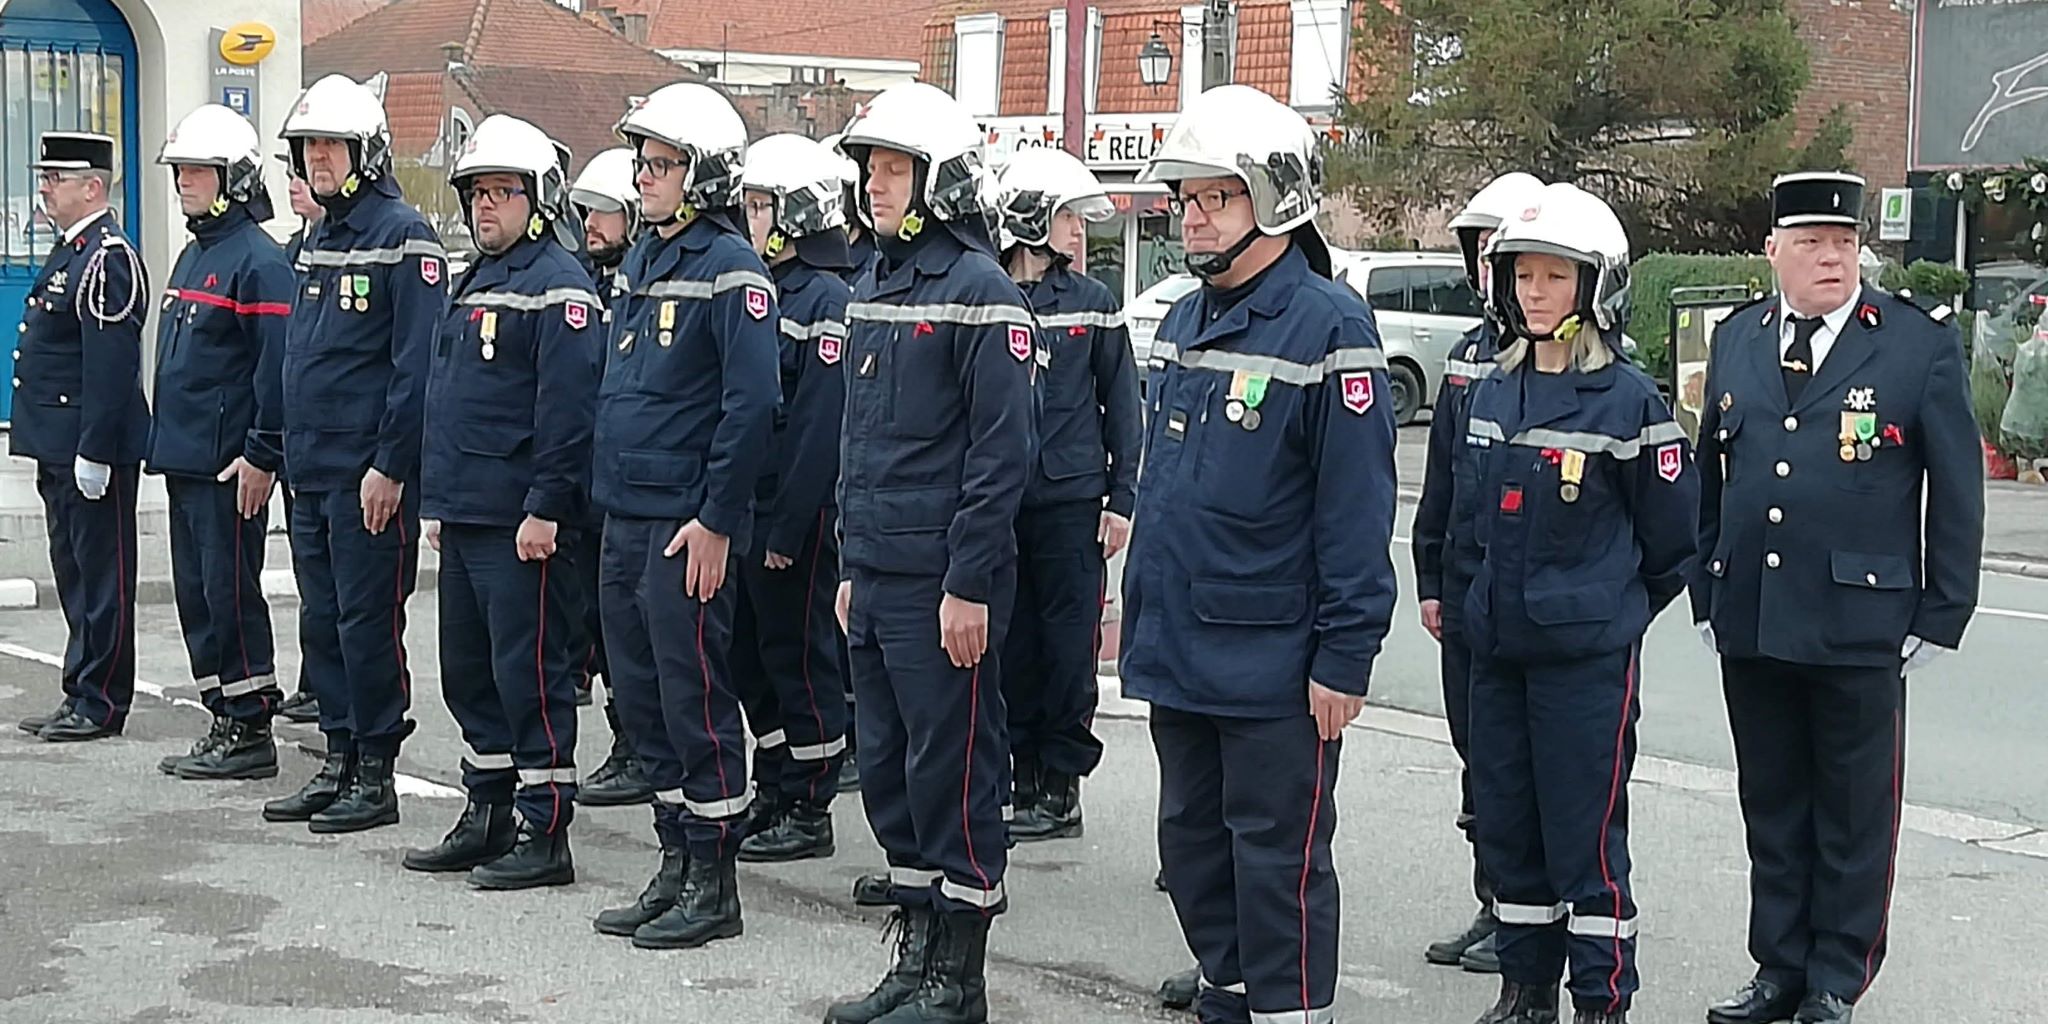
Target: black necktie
x: 1798, y: 361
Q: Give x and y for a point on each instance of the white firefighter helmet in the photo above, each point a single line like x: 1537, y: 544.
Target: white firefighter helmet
x: 1503, y: 198
x: 1037, y: 184
x: 702, y: 123
x: 1566, y: 221
x: 503, y: 144
x: 803, y: 178
x: 214, y: 136
x: 339, y: 107
x: 1236, y: 131
x: 921, y: 120
x: 606, y: 184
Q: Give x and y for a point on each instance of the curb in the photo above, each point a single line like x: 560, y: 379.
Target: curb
x: 2014, y: 567
x: 19, y: 593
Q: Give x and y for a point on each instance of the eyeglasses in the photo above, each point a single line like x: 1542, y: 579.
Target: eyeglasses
x: 58, y: 177
x: 760, y: 206
x: 497, y: 194
x: 1211, y: 200
x: 659, y: 166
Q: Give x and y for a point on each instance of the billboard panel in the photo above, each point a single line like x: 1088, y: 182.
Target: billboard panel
x: 1980, y: 83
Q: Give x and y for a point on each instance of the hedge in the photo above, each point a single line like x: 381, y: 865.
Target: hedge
x: 1650, y: 282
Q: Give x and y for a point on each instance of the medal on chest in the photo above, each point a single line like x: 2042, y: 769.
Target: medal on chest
x: 487, y: 332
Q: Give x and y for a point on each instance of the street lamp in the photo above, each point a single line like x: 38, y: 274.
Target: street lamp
x: 1155, y: 62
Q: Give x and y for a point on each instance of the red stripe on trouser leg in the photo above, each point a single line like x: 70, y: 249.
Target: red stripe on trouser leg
x: 1628, y: 698
x: 540, y: 675
x: 967, y: 781
x: 711, y: 730
x: 1308, y: 849
x: 121, y: 594
x: 1892, y: 866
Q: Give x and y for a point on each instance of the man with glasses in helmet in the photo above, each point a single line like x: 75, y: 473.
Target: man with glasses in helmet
x: 938, y: 443
x: 1076, y: 513
x: 608, y: 203
x: 511, y: 397
x: 1259, y: 584
x: 80, y: 414
x: 1446, y: 552
x: 355, y: 371
x: 218, y: 434
x: 302, y: 705
x: 786, y: 640
x: 684, y: 415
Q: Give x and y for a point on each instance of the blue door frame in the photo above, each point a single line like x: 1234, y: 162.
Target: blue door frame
x: 65, y: 65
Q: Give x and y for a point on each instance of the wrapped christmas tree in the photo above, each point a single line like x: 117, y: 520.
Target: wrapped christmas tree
x: 2023, y: 429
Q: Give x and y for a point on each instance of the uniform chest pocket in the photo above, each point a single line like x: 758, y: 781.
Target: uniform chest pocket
x: 924, y: 387
x: 498, y: 440
x: 1575, y: 496
x: 1070, y: 380
x: 1244, y: 461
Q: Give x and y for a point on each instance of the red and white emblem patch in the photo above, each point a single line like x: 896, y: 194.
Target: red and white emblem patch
x: 430, y: 270
x: 1020, y: 343
x: 829, y: 349
x: 577, y: 315
x: 1670, y: 462
x: 757, y: 302
x: 1357, y: 391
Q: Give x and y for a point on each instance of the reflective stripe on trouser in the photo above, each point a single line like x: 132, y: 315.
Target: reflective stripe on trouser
x: 92, y: 556
x: 352, y: 590
x: 217, y: 582
x: 1552, y: 749
x: 932, y: 743
x: 785, y: 660
x: 1049, y: 658
x: 667, y: 653
x: 506, y: 674
x: 1246, y: 813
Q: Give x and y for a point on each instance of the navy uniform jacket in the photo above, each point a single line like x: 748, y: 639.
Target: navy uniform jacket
x: 85, y: 310
x: 371, y: 294
x: 1809, y: 559
x: 1445, y: 549
x: 513, y: 392
x: 1259, y: 557
x: 801, y: 474
x: 1090, y: 427
x: 1565, y: 577
x: 690, y: 391
x: 937, y: 440
x: 220, y: 351
x: 864, y: 256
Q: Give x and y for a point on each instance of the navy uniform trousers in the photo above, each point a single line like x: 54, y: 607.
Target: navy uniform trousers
x: 506, y: 672
x: 668, y: 657
x: 1553, y: 745
x: 1454, y: 659
x: 934, y: 751
x: 785, y: 659
x: 578, y: 559
x: 353, y: 585
x: 1820, y: 753
x: 1049, y: 657
x: 92, y: 555
x: 217, y: 581
x: 1247, y: 808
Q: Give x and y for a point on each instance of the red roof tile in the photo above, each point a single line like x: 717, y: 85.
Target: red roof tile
x: 886, y: 29
x: 1118, y: 87
x: 321, y: 18
x: 1027, y: 49
x: 415, y: 103
x: 576, y: 108
x: 1265, y: 47
x: 408, y: 35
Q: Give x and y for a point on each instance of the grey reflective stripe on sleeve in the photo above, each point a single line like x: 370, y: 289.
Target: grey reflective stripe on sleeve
x: 1587, y: 441
x: 1319, y: 1015
x: 243, y: 687
x: 731, y: 280
x: 983, y: 898
x: 1602, y: 927
x: 715, y: 809
x: 769, y: 741
x: 1470, y: 371
x: 809, y: 332
x: 1283, y: 370
x: 1525, y: 914
x: 372, y: 257
x: 517, y: 301
x: 958, y: 313
x: 1202, y: 981
x: 1663, y: 433
x: 485, y: 762
x: 818, y: 752
x: 1087, y: 318
x: 1487, y: 429
x: 543, y: 776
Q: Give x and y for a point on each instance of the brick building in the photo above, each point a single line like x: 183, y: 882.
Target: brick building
x: 1860, y: 53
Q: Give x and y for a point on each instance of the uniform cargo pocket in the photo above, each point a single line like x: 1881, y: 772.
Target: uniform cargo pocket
x: 1873, y: 601
x: 495, y: 440
x: 1070, y: 461
x: 915, y: 509
x: 1233, y: 603
x: 659, y: 469
x: 1873, y: 572
x: 1595, y: 602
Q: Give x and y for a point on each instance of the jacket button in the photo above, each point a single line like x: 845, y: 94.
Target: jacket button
x: 17, y: 382
x: 63, y: 399
x: 1771, y: 559
x: 1784, y: 469
x: 21, y: 328
x: 1777, y: 515
x: 1717, y: 565
x: 1870, y: 578
x: 1791, y: 423
x: 1723, y: 435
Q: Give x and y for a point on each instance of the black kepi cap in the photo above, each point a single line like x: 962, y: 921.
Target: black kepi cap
x: 1816, y: 197
x: 75, y: 151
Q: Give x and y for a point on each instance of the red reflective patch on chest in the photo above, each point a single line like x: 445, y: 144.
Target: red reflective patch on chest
x: 1076, y: 331
x: 1511, y: 499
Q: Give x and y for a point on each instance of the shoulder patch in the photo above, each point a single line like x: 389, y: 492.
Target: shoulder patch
x: 1020, y: 342
x: 576, y: 315
x: 757, y: 302
x: 430, y: 270
x: 830, y: 348
x: 1670, y: 461
x: 1357, y: 391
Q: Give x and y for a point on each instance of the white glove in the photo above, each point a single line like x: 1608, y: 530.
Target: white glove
x: 1918, y: 653
x: 1706, y: 629
x: 92, y: 477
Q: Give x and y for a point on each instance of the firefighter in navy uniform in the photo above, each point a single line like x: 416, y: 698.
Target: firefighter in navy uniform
x: 860, y: 248
x: 609, y: 204
x: 1828, y: 393
x: 786, y: 642
x: 1077, y: 506
x: 1446, y: 553
x: 302, y: 705
x: 506, y: 464
x: 936, y: 455
x: 80, y: 414
x: 217, y: 436
x: 1583, y: 516
x: 355, y: 371
x: 684, y: 414
x: 1269, y: 428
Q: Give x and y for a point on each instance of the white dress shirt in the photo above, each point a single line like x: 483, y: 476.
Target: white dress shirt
x: 1831, y: 325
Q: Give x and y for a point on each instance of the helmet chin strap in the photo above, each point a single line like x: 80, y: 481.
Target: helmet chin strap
x: 1210, y: 265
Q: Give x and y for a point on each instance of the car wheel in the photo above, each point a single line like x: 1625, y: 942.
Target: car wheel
x: 1407, y: 384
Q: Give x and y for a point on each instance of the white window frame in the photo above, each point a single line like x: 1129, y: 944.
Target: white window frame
x: 972, y: 30
x: 1190, y: 54
x: 1318, y: 52
x: 1056, y: 61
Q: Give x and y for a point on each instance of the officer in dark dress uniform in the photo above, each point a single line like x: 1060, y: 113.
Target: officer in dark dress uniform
x: 218, y: 434
x: 80, y: 414
x: 1840, y: 541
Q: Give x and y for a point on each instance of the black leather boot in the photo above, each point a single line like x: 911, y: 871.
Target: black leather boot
x: 654, y: 901
x: 871, y: 891
x: 1523, y: 1004
x: 955, y: 987
x: 913, y: 927
x: 1445, y: 952
x: 1179, y: 991
x: 618, y: 782
x: 371, y: 800
x: 804, y: 831
x: 1585, y: 1015
x: 765, y: 812
x: 1025, y: 773
x: 169, y: 765
x: 537, y: 859
x: 1759, y: 1002
x: 34, y: 723
x: 1056, y: 812
x: 335, y: 774
x: 300, y: 707
x: 244, y: 750
x: 1483, y: 957
x: 481, y: 835
x: 708, y: 909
